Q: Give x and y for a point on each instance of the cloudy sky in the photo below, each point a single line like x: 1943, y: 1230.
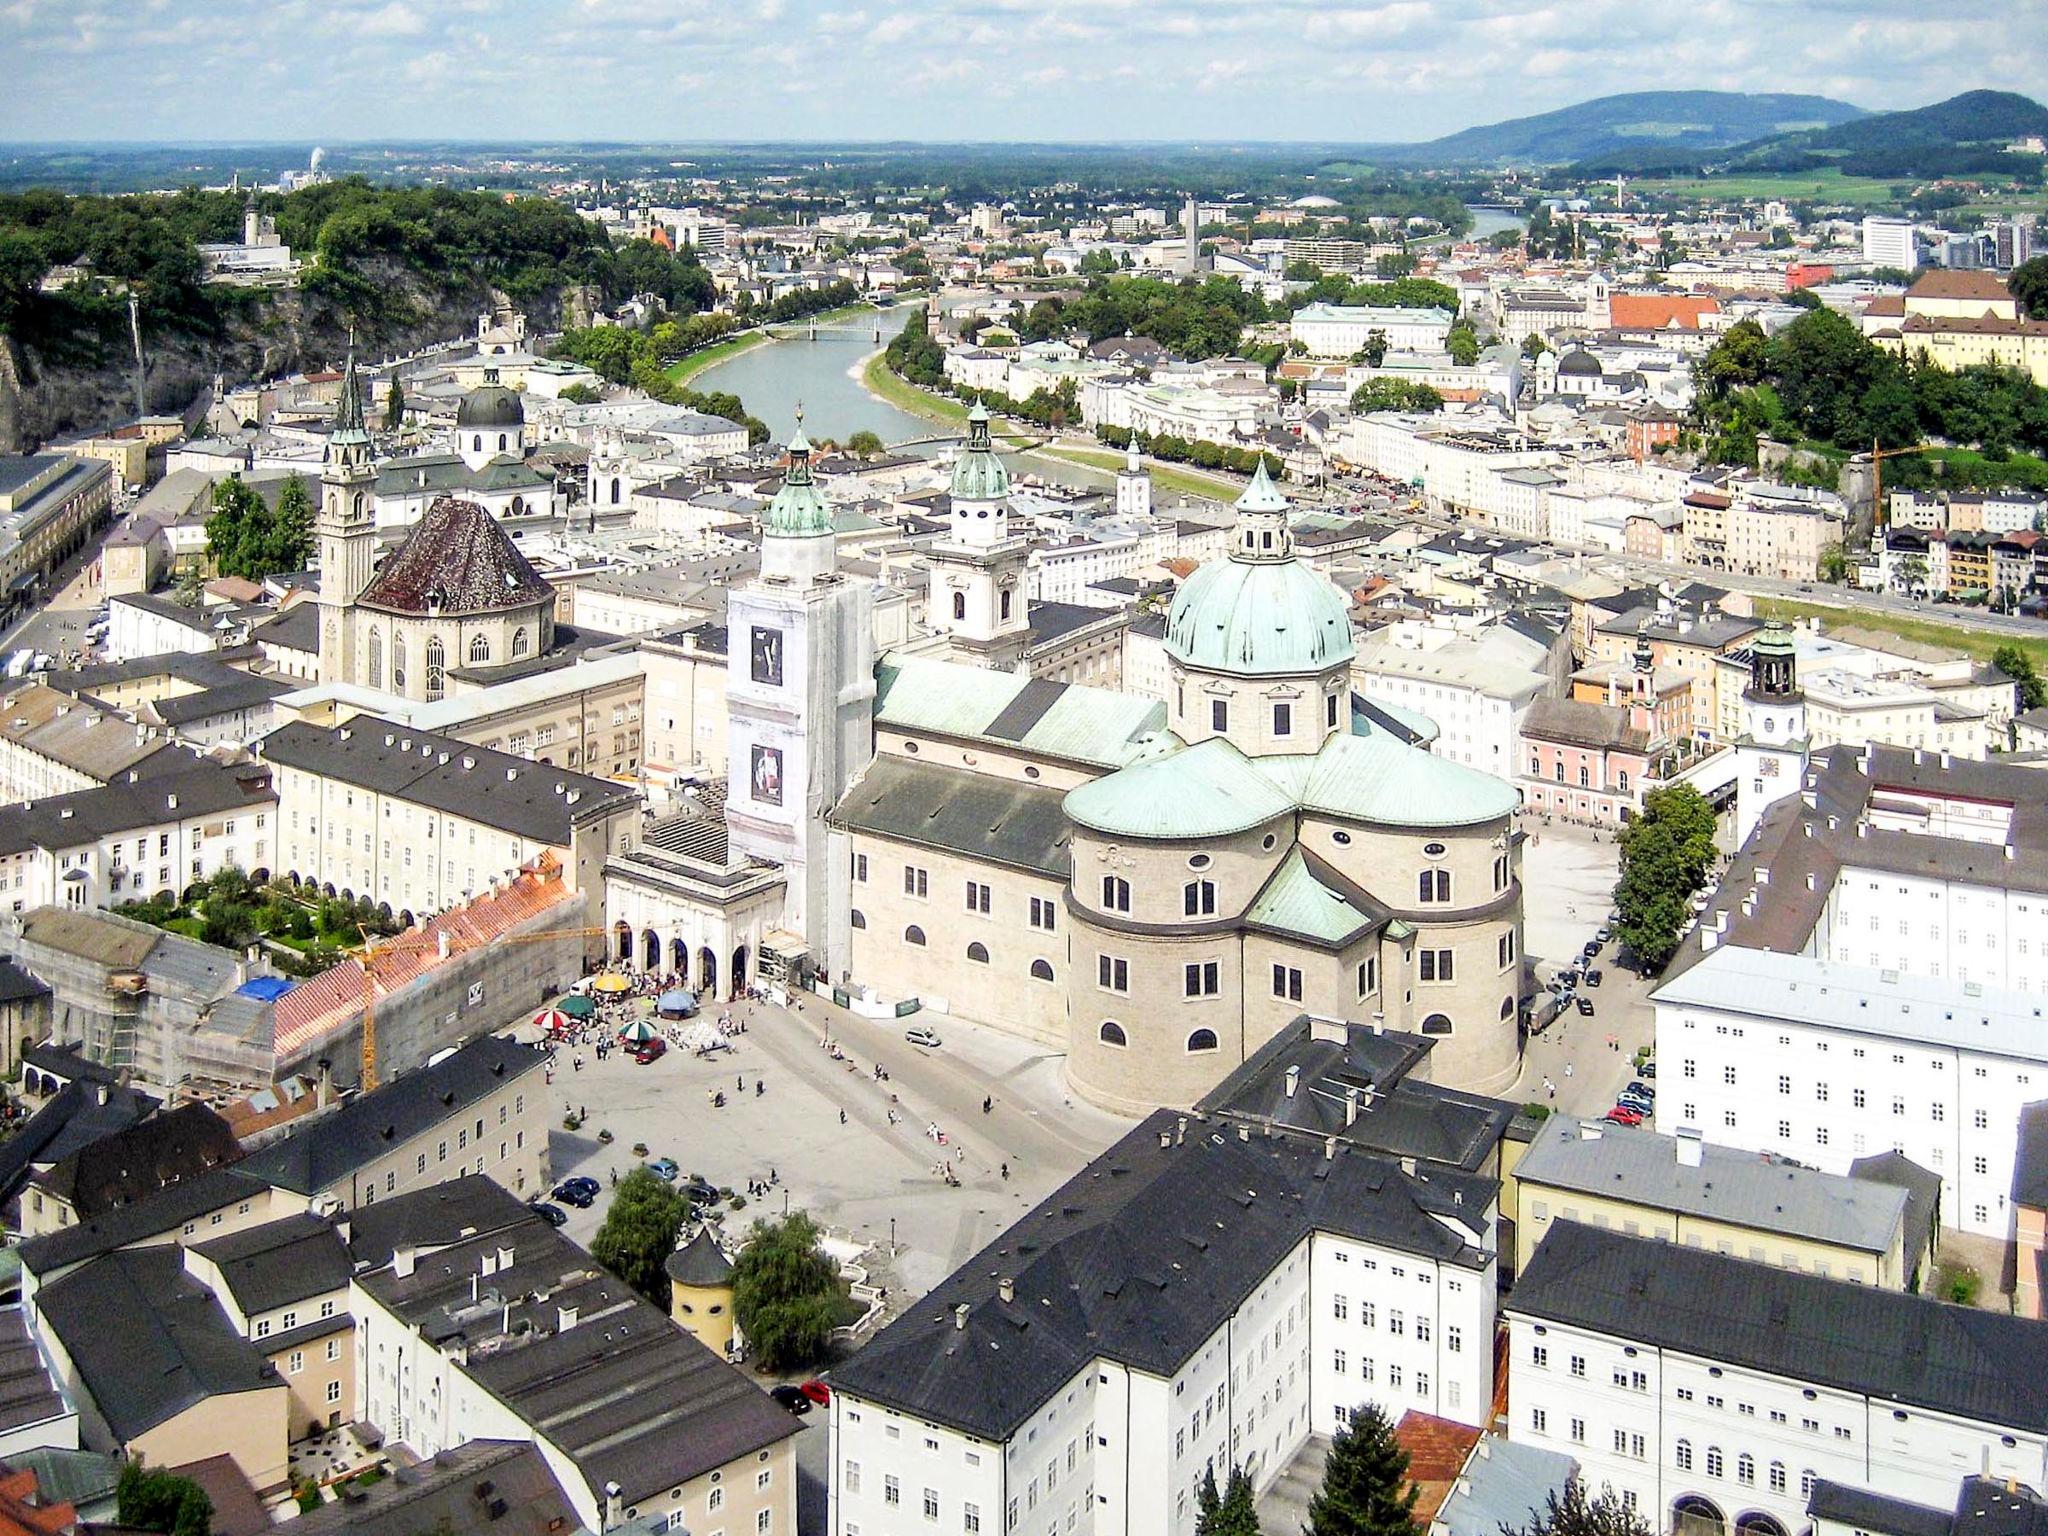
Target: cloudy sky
x: 681, y: 70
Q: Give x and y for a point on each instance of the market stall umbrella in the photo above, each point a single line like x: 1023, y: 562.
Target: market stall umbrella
x: 577, y: 1006
x: 677, y: 1003
x: 555, y: 1021
x: 638, y: 1030
x: 612, y: 981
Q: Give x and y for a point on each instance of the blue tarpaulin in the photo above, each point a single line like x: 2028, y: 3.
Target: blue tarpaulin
x: 677, y: 1002
x: 265, y: 989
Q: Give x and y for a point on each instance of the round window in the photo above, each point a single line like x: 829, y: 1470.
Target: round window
x: 1268, y: 841
x: 1433, y: 850
x: 1198, y: 861
x: 1341, y: 839
x: 1030, y: 770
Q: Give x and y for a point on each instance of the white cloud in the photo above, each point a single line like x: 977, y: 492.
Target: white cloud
x: 393, y: 20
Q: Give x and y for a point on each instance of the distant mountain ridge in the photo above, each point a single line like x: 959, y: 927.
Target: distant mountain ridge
x: 1691, y: 121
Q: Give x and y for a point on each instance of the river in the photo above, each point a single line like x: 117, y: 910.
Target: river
x: 775, y: 378
x: 1488, y: 222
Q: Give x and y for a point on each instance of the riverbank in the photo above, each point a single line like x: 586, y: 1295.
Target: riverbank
x: 684, y: 369
x: 1187, y: 482
x: 882, y: 381
x: 1955, y: 633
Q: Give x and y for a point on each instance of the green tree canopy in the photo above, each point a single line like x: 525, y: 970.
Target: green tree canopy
x: 639, y: 1233
x: 1462, y: 342
x: 1665, y: 855
x: 1233, y: 1513
x: 2019, y: 666
x: 247, y: 537
x: 159, y: 1501
x: 1365, y: 1489
x: 2029, y: 284
x: 394, y: 405
x: 786, y: 1292
x: 1573, y: 1514
x: 1394, y: 395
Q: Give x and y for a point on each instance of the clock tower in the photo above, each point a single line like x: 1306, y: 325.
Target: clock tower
x: 345, y: 528
x: 977, y: 594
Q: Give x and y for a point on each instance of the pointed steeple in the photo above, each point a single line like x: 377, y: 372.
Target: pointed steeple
x: 348, y: 415
x: 799, y: 510
x: 1263, y: 535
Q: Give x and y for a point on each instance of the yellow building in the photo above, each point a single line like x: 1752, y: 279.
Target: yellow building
x: 1678, y: 1189
x: 700, y: 1291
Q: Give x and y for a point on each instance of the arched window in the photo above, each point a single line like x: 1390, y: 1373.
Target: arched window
x: 959, y: 605
x: 1202, y: 1040
x: 1714, y: 1461
x: 1041, y: 970
x: 615, y: 493
x: 1681, y: 1455
x: 1437, y: 1024
x: 374, y: 674
x: 1116, y: 894
x: 1198, y: 898
x: 1111, y: 1033
x: 1585, y: 777
x: 856, y: 919
x: 437, y: 669
x: 398, y: 661
x: 518, y: 507
x: 978, y: 953
x: 519, y: 642
x: 1006, y: 602
x: 1745, y: 1469
x: 1507, y: 1008
x: 476, y: 442
x: 479, y: 649
x: 1777, y: 1477
x: 914, y: 935
x: 501, y: 442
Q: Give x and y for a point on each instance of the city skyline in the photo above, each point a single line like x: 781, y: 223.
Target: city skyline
x: 951, y: 70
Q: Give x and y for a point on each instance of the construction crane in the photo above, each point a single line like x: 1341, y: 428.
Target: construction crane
x: 455, y: 947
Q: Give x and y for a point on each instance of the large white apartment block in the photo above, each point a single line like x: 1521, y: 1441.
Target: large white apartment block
x: 1197, y: 1298
x: 1712, y: 1393
x: 1476, y: 689
x: 1871, y: 977
x: 1339, y: 330
x: 1462, y: 468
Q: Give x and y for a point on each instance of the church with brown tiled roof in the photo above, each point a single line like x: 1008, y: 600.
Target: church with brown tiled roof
x: 456, y: 594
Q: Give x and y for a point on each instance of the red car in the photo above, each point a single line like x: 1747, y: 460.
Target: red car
x: 817, y: 1392
x: 650, y: 1050
x: 1621, y: 1114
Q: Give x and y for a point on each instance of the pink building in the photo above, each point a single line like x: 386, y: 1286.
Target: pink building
x: 1586, y: 762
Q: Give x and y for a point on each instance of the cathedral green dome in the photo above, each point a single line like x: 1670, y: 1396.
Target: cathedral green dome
x: 799, y: 510
x: 979, y: 474
x: 1261, y: 613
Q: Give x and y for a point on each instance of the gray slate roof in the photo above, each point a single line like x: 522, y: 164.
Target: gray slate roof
x: 530, y: 800
x: 1893, y: 1346
x: 28, y: 1392
x: 322, y: 1152
x: 1750, y: 1189
x: 973, y: 814
x: 87, y: 816
x: 1139, y: 1258
x: 148, y: 1340
x: 279, y: 1262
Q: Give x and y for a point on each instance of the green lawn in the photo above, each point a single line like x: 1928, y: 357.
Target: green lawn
x: 1186, y: 482
x: 1824, y: 185
x: 881, y: 381
x: 1957, y: 633
x: 685, y: 369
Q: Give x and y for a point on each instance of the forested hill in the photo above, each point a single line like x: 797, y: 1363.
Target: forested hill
x: 1693, y: 120
x: 402, y: 266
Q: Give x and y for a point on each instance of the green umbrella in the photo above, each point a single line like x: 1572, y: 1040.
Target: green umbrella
x: 637, y: 1031
x: 577, y: 1006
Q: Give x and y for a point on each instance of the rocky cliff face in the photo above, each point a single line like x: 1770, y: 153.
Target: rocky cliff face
x: 88, y: 382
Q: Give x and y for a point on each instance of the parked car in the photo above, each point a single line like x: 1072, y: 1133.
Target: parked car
x: 699, y: 1193
x: 1621, y: 1114
x: 1592, y: 978
x: 1648, y: 1070
x: 1585, y: 1007
x: 664, y: 1168
x: 791, y: 1398
x: 552, y: 1214
x: 917, y: 1034
x: 1636, y: 1102
x: 584, y: 1182
x: 1606, y: 932
x: 650, y: 1050
x: 574, y: 1194
x: 1642, y: 1088
x: 817, y: 1392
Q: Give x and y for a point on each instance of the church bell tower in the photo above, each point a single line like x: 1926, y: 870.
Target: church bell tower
x: 345, y: 528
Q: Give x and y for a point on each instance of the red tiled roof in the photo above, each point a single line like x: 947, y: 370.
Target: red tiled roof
x: 1960, y: 283
x: 1437, y: 1452
x: 1660, y: 311
x: 332, y: 998
x: 20, y: 1512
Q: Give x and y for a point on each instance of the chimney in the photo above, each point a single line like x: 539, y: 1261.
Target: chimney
x: 172, y: 801
x: 1180, y: 1130
x: 565, y: 1319
x: 402, y: 1260
x: 1588, y: 1131
x: 1330, y: 1031
x: 1690, y: 1146
x: 1166, y: 1138
x: 1408, y: 1166
x: 1293, y: 1080
x: 614, y: 1505
x: 504, y: 1258
x: 1006, y: 1289
x: 442, y: 942
x: 1351, y: 1105
x: 1329, y: 1148
x: 960, y: 1316
x: 323, y: 1083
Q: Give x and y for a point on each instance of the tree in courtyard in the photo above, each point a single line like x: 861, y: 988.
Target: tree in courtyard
x: 246, y: 537
x: 639, y: 1233
x: 1665, y: 855
x: 290, y: 546
x: 864, y: 444
x: 1572, y: 1513
x: 160, y: 1501
x: 2019, y: 666
x: 786, y: 1292
x: 1374, y: 352
x: 1534, y: 346
x: 1394, y: 395
x: 190, y: 590
x: 394, y: 405
x: 1234, y: 1513
x: 1462, y: 342
x: 1365, y: 1489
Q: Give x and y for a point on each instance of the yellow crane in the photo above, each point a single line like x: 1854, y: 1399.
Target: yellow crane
x: 455, y: 947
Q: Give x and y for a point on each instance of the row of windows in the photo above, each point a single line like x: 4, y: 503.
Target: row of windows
x: 1283, y: 715
x: 1112, y: 1033
x: 479, y: 655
